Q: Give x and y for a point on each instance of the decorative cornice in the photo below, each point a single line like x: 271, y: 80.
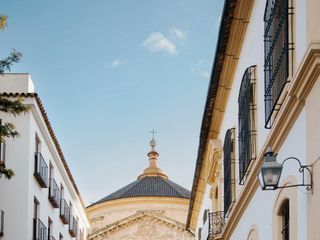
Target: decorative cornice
x: 232, y: 30
x: 137, y: 218
x: 138, y: 200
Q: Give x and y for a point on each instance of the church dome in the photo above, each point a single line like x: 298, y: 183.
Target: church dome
x: 153, y: 182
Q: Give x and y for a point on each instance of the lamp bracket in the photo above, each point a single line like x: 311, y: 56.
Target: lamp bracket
x: 304, y: 170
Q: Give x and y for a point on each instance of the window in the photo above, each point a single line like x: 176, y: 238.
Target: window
x: 228, y: 162
x: 37, y: 144
x: 40, y: 165
x: 276, y: 55
x: 1, y: 223
x: 246, y: 117
x: 39, y: 229
x: 285, y: 217
x: 35, y: 208
x: 54, y: 191
x: 64, y: 207
x: 2, y: 151
x: 50, y: 229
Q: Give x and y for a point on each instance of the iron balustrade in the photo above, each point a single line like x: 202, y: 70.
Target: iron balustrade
x: 54, y: 193
x: 276, y: 54
x: 64, y: 211
x: 40, y: 170
x: 216, y: 223
x: 246, y: 120
x: 39, y: 230
x: 73, y: 226
x: 1, y: 223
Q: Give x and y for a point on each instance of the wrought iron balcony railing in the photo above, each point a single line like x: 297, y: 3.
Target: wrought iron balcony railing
x: 54, y: 193
x: 40, y: 170
x: 39, y: 230
x: 64, y: 211
x: 1, y: 223
x: 73, y: 226
x: 216, y: 223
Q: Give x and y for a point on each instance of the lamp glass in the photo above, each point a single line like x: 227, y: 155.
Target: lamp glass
x: 270, y: 175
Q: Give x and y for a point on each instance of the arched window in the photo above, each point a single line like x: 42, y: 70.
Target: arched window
x: 228, y: 171
x: 285, y: 212
x: 276, y: 54
x: 285, y: 223
x: 253, y: 233
x: 246, y: 117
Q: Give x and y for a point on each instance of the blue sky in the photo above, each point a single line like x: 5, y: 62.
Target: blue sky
x: 108, y: 72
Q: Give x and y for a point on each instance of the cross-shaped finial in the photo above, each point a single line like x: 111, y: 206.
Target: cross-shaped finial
x: 153, y: 132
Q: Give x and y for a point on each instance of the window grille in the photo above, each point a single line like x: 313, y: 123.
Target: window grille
x: 228, y: 162
x: 247, y: 132
x: 276, y: 54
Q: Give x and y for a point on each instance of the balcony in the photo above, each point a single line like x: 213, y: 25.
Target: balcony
x: 73, y: 226
x: 64, y: 211
x: 216, y: 223
x: 54, y: 193
x: 1, y: 223
x: 2, y: 154
x: 39, y: 230
x: 40, y: 170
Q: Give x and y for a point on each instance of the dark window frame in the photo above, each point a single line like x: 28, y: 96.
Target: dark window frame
x: 285, y: 217
x: 277, y: 44
x: 1, y: 223
x: 246, y: 121
x: 228, y: 171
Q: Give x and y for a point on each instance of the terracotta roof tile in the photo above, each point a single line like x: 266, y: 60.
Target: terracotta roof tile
x: 52, y: 134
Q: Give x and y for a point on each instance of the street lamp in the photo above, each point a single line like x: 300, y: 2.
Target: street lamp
x: 270, y: 172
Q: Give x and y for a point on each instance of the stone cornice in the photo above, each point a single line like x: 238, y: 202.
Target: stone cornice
x: 137, y: 218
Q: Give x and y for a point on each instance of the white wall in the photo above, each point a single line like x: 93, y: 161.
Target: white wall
x: 252, y: 53
x: 17, y: 194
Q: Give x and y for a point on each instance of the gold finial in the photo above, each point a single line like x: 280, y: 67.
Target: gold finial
x: 153, y: 169
x: 153, y: 141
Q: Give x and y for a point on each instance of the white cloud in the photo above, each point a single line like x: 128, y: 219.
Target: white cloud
x: 204, y: 74
x: 202, y: 68
x: 178, y: 35
x: 115, y: 63
x: 158, y: 42
x: 218, y: 21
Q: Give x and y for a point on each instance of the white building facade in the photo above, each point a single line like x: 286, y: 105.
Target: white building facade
x: 42, y: 200
x: 264, y: 92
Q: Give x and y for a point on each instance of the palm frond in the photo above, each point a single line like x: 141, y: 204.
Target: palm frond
x: 3, y: 21
x: 15, y: 107
x: 5, y: 64
x: 8, y: 173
